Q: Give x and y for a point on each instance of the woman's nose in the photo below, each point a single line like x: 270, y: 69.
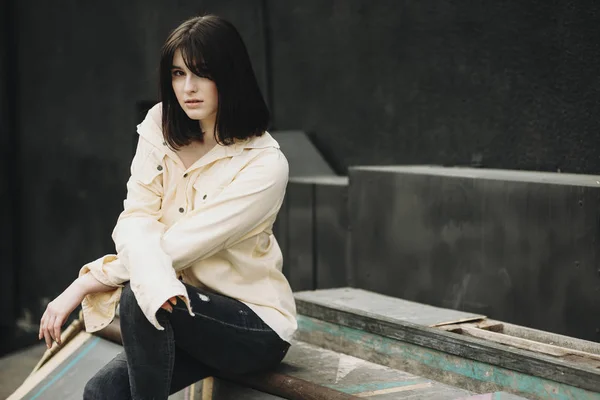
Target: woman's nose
x: 190, y: 85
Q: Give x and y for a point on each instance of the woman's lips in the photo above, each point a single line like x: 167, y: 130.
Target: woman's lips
x: 193, y: 103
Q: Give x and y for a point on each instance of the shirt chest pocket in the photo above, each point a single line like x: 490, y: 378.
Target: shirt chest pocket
x: 151, y: 172
x: 210, y: 185
x: 206, y: 189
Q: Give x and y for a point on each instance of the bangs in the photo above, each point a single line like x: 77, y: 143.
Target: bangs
x: 192, y: 52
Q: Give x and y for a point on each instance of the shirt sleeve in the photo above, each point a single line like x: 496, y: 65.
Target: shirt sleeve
x: 138, y: 233
x: 99, y: 308
x: 137, y: 236
x: 240, y: 211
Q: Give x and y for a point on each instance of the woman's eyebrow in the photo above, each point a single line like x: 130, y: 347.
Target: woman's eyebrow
x: 175, y: 67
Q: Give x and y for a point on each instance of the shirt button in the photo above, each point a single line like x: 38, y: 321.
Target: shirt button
x: 204, y: 197
x: 159, y: 168
x: 164, y: 143
x: 181, y: 210
x: 185, y: 175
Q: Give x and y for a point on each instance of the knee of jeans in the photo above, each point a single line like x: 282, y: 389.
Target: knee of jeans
x: 93, y: 389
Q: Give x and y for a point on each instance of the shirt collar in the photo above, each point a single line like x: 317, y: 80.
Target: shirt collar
x: 151, y: 130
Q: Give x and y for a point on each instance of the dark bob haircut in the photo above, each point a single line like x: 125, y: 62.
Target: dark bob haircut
x: 212, y: 47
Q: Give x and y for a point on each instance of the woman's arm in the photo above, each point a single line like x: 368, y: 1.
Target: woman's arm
x: 141, y: 261
x: 98, y: 286
x: 59, y: 309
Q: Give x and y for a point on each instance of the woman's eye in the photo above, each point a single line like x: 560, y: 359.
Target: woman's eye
x: 177, y: 73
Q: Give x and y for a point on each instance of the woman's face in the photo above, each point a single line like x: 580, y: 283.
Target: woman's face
x: 197, y: 96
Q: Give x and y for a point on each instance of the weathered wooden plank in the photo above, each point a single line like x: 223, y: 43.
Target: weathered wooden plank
x: 550, y: 338
x: 493, y: 396
x: 525, y: 344
x: 65, y: 374
x: 491, y: 325
x: 451, y: 368
x: 227, y: 390
x: 392, y: 307
x: 537, y: 365
x: 359, y: 377
x: 289, y: 387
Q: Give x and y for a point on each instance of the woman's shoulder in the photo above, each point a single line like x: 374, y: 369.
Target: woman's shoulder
x: 155, y: 113
x: 150, y: 129
x: 153, y: 118
x: 269, y: 162
x: 264, y: 148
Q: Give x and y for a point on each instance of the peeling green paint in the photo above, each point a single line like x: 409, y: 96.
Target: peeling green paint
x: 525, y: 384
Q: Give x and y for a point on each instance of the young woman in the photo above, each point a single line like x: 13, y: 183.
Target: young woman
x: 197, y: 270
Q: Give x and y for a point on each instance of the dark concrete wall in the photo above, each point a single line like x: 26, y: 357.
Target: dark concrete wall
x: 511, y: 84
x: 519, y: 247
x: 83, y: 68
x: 507, y: 84
x: 7, y: 298
x: 312, y: 232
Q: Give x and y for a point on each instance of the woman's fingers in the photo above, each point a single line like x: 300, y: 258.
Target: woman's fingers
x: 57, y: 312
x: 57, y: 325
x: 167, y: 306
x: 50, y: 327
x: 47, y: 334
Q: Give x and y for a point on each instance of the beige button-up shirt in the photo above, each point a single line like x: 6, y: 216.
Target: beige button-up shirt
x: 209, y: 225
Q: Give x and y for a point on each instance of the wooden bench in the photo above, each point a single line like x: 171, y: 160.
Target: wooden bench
x: 356, y: 344
x: 460, y: 349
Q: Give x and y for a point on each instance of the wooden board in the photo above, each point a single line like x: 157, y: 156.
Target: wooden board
x: 392, y: 307
x: 361, y: 378
x: 493, y: 396
x: 386, y: 324
x: 458, y: 365
x: 65, y: 375
x: 525, y: 344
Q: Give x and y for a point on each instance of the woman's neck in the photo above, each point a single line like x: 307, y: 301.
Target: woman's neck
x: 207, y: 126
x: 195, y: 150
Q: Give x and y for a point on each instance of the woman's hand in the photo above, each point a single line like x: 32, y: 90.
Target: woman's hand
x: 57, y: 312
x: 167, y: 306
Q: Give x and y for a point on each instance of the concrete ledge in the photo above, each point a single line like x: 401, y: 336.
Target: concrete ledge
x: 312, y: 230
x: 516, y: 246
x: 491, y: 174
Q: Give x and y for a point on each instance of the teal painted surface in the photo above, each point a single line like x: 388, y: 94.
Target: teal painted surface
x: 86, y: 350
x: 525, y: 384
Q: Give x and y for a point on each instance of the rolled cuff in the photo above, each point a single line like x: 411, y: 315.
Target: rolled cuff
x: 99, y: 309
x: 150, y: 299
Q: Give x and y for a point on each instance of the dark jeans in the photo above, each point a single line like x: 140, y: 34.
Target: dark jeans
x: 223, y: 336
